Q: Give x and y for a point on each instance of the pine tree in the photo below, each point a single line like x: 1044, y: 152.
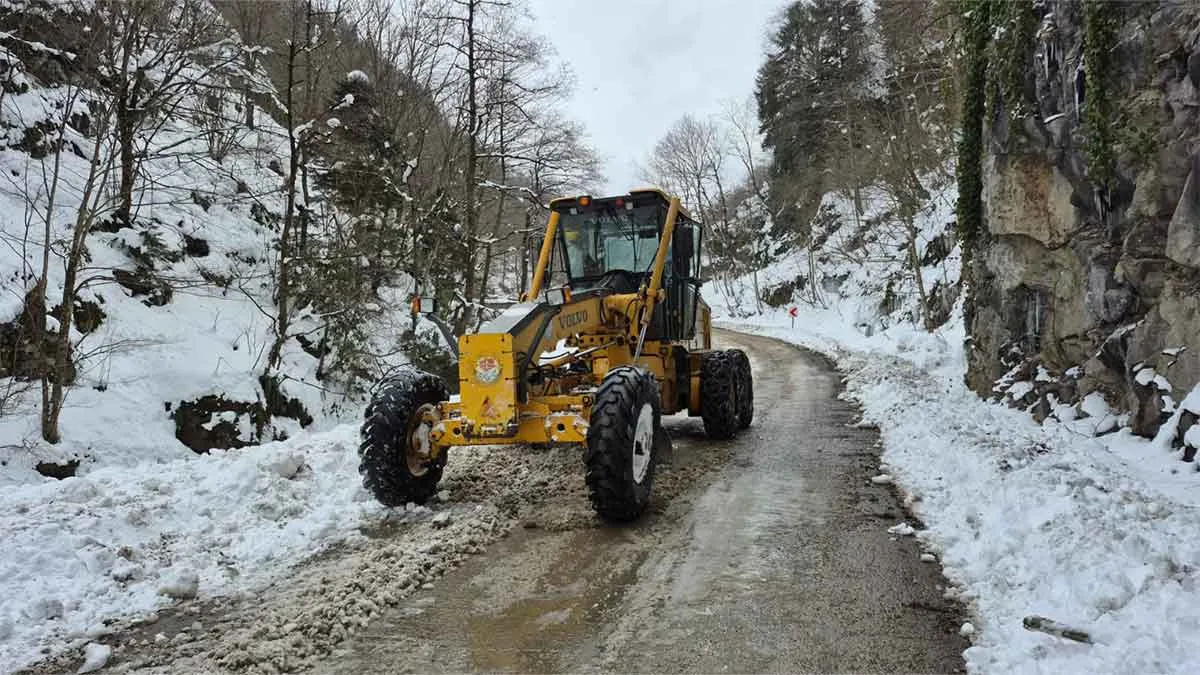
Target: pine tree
x: 812, y: 92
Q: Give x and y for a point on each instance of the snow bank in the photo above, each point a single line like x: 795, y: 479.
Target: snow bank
x: 1028, y: 519
x: 122, y: 543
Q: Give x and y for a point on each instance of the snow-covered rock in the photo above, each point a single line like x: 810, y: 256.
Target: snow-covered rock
x: 289, y: 465
x: 95, y: 657
x: 183, y: 585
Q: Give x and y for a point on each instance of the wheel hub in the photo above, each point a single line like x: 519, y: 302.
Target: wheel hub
x: 643, y: 442
x: 419, y: 445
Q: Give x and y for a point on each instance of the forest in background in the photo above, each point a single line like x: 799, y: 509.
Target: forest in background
x: 411, y: 147
x: 855, y: 102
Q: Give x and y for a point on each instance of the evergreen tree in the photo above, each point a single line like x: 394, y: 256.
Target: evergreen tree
x: 813, y: 94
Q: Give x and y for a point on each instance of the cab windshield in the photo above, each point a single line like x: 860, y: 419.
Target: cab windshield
x: 614, y: 238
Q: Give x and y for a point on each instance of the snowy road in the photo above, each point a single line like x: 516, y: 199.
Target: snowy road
x: 768, y: 553
x: 783, y: 563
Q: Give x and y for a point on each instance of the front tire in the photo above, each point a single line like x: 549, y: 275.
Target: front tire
x: 394, y: 454
x: 620, y: 460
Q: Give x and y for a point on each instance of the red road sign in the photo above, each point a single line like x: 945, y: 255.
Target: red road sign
x: 793, y: 312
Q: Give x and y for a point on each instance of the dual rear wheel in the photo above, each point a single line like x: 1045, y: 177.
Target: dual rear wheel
x: 726, y: 393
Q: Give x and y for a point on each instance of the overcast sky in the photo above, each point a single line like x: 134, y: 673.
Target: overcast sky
x: 642, y: 64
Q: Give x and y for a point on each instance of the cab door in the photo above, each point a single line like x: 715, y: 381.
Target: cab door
x: 683, y: 284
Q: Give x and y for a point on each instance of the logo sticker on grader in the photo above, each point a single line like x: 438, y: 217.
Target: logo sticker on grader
x: 487, y: 369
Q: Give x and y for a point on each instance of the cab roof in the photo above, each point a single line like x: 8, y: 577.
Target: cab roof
x: 641, y: 195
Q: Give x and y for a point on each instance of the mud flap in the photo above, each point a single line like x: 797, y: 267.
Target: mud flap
x: 664, y: 451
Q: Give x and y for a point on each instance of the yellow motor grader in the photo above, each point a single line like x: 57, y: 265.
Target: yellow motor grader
x: 596, y: 360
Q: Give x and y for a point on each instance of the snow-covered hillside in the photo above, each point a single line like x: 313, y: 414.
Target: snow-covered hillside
x: 178, y: 306
x: 859, y: 265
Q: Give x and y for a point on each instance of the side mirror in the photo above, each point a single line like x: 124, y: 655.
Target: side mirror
x: 424, y: 305
x: 685, y: 244
x: 556, y: 297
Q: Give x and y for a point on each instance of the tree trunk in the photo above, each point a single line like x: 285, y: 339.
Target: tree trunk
x: 54, y: 382
x: 487, y: 270
x: 62, y: 351
x: 914, y: 261
x: 125, y: 189
x: 526, y: 242
x: 757, y: 292
x: 284, y: 280
x: 247, y: 94
x: 472, y: 217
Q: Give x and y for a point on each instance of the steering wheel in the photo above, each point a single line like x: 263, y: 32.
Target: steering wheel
x: 620, y: 280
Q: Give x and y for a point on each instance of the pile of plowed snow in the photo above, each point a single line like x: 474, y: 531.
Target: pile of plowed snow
x: 122, y: 542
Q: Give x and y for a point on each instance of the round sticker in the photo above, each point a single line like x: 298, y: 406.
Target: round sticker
x: 487, y: 369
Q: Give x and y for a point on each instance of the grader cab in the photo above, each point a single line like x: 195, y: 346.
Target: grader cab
x: 595, y: 360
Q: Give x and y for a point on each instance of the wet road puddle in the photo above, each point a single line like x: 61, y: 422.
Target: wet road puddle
x: 568, y: 602
x: 535, y: 603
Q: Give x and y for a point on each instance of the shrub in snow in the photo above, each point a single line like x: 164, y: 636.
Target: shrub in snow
x: 357, y: 76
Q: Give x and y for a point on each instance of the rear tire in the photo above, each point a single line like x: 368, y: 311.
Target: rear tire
x: 745, y: 387
x: 620, y: 459
x: 719, y: 395
x: 393, y: 436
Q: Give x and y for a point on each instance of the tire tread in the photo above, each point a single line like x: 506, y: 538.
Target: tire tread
x: 609, y: 469
x: 382, y: 463
x: 718, y: 408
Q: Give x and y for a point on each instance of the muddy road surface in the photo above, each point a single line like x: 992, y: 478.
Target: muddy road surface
x: 769, y: 553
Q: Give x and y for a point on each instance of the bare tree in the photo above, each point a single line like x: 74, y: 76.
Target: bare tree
x: 746, y: 144
x: 309, y: 41
x: 251, y: 21
x: 90, y: 199
x: 147, y: 62
x: 691, y: 160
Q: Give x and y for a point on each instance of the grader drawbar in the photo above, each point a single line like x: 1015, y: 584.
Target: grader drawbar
x: 612, y: 335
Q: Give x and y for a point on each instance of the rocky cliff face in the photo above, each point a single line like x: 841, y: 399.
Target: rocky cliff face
x: 1097, y: 282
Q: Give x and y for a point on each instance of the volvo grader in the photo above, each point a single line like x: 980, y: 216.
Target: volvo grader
x: 611, y: 336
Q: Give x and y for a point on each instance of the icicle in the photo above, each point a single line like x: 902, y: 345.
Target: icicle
x: 1080, y: 87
